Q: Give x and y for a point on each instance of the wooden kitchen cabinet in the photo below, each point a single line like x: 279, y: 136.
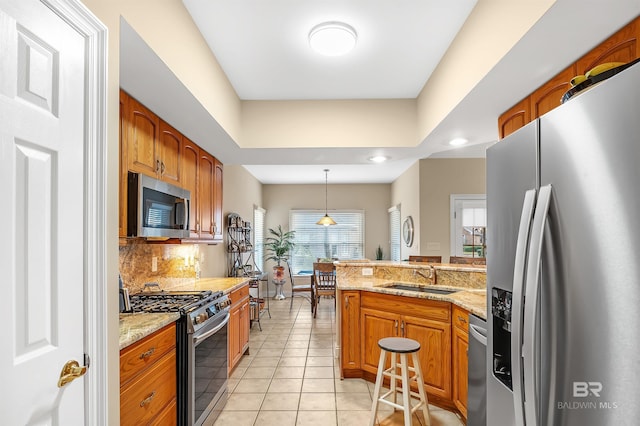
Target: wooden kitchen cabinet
x: 142, y: 138
x: 150, y: 146
x: 206, y: 183
x: 170, y: 154
x: 460, y: 358
x: 217, y: 200
x: 148, y: 382
x: 238, y: 330
x: 350, y: 331
x: 153, y: 146
x: 623, y: 46
x: 424, y: 320
x: 190, y: 161
x: 549, y: 95
x: 514, y: 118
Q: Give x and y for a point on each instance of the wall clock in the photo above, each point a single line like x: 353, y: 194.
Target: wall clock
x: 407, y: 231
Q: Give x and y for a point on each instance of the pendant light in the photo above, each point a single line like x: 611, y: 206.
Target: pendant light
x: 326, y: 219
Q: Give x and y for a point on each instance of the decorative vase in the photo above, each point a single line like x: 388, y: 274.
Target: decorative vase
x: 278, y: 280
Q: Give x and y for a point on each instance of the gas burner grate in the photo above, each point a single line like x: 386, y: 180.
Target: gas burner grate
x: 167, y: 301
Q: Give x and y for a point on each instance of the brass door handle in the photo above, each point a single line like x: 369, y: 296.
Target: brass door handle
x: 70, y: 372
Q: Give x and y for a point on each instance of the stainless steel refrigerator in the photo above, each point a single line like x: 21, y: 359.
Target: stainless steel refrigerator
x: 563, y: 263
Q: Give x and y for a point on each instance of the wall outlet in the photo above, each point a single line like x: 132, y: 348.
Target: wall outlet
x: 367, y: 272
x: 154, y: 264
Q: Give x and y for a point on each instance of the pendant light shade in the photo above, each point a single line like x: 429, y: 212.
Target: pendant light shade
x: 326, y: 219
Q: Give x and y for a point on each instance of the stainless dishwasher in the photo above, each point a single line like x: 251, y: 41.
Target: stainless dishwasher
x: 477, y: 389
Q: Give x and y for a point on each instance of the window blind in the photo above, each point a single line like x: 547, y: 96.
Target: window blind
x: 258, y: 236
x: 342, y: 241
x: 395, y: 232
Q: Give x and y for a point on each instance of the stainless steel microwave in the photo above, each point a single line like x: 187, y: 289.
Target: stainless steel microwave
x: 156, y: 209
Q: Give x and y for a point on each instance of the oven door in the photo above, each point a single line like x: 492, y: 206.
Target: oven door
x: 208, y: 370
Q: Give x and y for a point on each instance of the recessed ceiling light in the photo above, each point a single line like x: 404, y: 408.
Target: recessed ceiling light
x: 378, y: 159
x: 332, y: 38
x: 458, y: 141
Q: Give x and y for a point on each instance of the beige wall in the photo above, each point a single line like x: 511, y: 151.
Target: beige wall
x: 241, y: 192
x: 439, y: 178
x: 354, y: 123
x: 490, y: 31
x: 406, y: 191
x: 374, y: 199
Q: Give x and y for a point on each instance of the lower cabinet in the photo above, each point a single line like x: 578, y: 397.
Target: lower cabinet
x: 148, y: 383
x: 350, y: 332
x: 238, y: 330
x: 424, y: 320
x: 460, y: 358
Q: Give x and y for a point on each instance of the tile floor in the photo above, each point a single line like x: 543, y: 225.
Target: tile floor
x: 291, y: 378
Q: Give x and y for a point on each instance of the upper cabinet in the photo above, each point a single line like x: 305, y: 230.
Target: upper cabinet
x: 514, y: 118
x: 150, y: 146
x: 623, y: 46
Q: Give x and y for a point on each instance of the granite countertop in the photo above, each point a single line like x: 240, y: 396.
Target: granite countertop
x: 226, y: 284
x: 473, y: 300
x: 412, y: 265
x: 134, y: 327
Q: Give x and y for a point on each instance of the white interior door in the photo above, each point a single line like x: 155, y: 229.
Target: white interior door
x: 42, y: 83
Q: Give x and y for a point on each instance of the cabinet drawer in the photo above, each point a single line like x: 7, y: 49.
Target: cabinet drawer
x: 139, y: 356
x: 239, y: 294
x: 461, y: 319
x: 149, y: 393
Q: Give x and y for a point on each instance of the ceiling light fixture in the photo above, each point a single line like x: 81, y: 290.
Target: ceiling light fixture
x: 458, y: 141
x: 378, y: 159
x: 332, y: 38
x: 326, y: 219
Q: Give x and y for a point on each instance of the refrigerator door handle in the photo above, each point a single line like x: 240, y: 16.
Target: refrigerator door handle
x: 517, y: 300
x: 532, y: 285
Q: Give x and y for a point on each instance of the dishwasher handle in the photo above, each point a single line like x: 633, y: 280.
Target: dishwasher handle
x: 478, y: 333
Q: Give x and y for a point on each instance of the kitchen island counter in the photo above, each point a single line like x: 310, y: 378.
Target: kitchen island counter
x: 472, y: 300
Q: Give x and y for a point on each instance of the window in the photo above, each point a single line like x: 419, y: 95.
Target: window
x: 258, y: 237
x: 468, y: 225
x: 395, y: 232
x: 342, y: 241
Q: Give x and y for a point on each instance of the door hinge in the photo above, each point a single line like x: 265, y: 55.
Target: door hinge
x: 87, y: 360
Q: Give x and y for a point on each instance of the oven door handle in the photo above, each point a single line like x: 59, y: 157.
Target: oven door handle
x: 200, y: 337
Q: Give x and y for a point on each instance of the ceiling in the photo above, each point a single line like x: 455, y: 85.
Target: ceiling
x: 262, y: 47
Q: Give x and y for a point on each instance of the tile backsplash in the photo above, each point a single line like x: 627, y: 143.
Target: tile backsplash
x: 175, y: 264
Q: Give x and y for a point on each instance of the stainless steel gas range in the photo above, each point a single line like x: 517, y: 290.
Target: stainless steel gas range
x: 201, y: 349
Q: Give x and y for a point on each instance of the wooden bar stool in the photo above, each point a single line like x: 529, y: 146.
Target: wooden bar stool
x: 403, y: 347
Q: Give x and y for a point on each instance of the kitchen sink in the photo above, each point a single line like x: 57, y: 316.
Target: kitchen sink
x: 421, y: 289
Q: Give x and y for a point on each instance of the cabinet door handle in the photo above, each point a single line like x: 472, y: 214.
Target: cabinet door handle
x: 162, y: 168
x: 461, y: 319
x: 197, y: 227
x: 157, y: 166
x: 396, y: 326
x: 346, y: 302
x: 148, y: 399
x: 148, y: 353
x: 402, y: 328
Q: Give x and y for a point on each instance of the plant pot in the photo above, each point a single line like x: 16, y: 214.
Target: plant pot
x: 278, y: 274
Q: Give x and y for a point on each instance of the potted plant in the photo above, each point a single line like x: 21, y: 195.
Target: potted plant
x: 277, y: 247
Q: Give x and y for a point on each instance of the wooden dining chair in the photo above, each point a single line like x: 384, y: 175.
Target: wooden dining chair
x: 301, y: 288
x: 468, y: 260
x: 324, y: 282
x: 428, y: 259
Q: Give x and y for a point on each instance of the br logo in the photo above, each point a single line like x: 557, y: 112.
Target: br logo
x: 584, y: 389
